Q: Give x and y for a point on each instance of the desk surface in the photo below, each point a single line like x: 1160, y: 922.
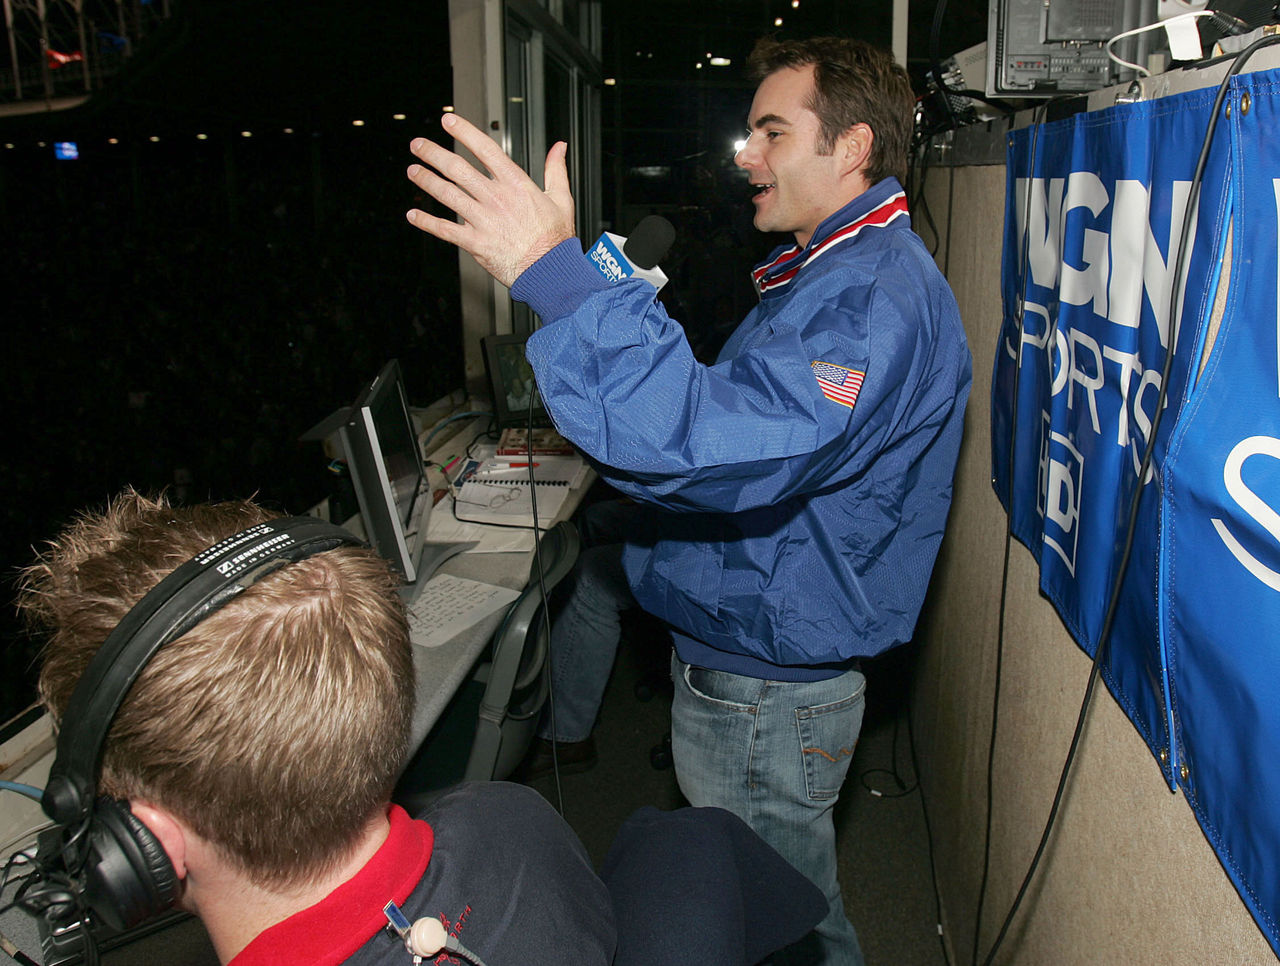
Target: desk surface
x: 440, y: 671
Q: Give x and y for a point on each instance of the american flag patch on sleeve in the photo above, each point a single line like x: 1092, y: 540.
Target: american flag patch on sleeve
x: 838, y: 383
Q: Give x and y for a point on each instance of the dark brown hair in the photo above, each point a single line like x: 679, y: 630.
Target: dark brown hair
x: 853, y: 83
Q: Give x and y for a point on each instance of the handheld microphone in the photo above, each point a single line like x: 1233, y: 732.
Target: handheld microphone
x: 637, y: 256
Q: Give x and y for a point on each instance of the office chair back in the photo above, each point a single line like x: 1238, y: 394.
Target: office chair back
x: 518, y: 675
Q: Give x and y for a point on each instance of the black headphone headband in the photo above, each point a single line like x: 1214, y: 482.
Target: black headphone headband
x: 181, y: 600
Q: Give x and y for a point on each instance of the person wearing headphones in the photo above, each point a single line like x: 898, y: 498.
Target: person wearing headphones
x: 249, y: 767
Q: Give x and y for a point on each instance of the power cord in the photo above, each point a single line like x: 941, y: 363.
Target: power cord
x: 928, y: 834
x: 546, y: 603
x: 1043, y: 112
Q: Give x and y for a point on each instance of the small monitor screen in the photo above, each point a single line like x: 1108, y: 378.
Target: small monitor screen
x: 66, y: 150
x: 386, y: 467
x: 511, y: 382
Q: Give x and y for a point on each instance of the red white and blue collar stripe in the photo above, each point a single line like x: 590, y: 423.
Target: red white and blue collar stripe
x: 779, y: 272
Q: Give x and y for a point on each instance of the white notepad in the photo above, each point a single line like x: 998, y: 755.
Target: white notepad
x: 448, y: 605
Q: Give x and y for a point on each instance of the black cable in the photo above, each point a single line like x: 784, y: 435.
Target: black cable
x: 1043, y: 111
x: 935, y: 43
x: 892, y: 771
x: 919, y: 201
x: 928, y: 835
x: 546, y: 603
x: 1193, y: 198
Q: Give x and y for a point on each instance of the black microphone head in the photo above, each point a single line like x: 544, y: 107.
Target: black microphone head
x: 649, y: 243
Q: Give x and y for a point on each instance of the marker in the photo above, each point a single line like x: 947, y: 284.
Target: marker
x: 514, y: 466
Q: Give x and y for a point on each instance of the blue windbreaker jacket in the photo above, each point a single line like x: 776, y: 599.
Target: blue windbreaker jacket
x: 796, y: 490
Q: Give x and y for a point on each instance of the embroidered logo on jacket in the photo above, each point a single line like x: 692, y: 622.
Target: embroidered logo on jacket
x: 838, y: 383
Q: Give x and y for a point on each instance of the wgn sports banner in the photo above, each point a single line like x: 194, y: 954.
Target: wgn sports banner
x: 1095, y: 206
x: 1094, y: 211
x: 1220, y: 552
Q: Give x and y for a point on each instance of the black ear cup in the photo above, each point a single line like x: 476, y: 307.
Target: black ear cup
x: 128, y: 876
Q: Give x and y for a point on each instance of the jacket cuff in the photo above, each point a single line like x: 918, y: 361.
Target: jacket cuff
x: 559, y: 282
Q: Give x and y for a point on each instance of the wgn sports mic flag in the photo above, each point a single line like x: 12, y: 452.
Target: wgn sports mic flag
x: 1094, y: 211
x: 1220, y: 553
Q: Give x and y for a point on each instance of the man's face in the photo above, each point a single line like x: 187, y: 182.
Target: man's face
x: 797, y: 186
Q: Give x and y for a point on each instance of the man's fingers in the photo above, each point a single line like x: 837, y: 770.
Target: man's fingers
x: 451, y: 167
x: 442, y: 228
x: 482, y: 146
x: 555, y: 175
x: 444, y: 191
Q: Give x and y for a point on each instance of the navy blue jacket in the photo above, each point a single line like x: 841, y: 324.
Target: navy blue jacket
x: 799, y: 487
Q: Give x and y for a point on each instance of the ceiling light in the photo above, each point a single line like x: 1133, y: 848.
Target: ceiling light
x: 397, y: 117
x: 720, y: 62
x: 611, y: 82
x: 357, y: 123
x: 777, y: 21
x: 202, y: 137
x: 246, y: 134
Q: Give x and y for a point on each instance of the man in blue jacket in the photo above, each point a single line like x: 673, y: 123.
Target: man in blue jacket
x: 794, y: 493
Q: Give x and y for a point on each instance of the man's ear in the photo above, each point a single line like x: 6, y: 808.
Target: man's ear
x: 855, y: 145
x: 168, y: 831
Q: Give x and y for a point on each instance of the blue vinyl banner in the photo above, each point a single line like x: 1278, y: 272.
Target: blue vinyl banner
x: 1095, y: 208
x: 1094, y: 213
x: 1220, y: 556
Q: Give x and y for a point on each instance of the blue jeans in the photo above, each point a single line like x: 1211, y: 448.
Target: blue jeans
x: 585, y: 634
x: 775, y: 753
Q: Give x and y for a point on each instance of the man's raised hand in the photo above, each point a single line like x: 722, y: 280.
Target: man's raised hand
x: 508, y: 222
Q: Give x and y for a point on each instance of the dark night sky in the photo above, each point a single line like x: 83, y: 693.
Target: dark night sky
x: 182, y: 310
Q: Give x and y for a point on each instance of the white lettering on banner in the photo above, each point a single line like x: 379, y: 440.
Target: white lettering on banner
x: 1059, y: 492
x: 1112, y: 272
x: 1088, y: 284
x: 1246, y: 499
x: 1117, y: 268
x: 1253, y: 505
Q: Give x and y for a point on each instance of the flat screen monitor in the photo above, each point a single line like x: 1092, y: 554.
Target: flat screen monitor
x: 386, y: 468
x: 511, y: 382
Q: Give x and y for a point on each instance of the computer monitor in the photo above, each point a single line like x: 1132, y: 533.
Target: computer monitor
x: 386, y: 468
x: 511, y: 382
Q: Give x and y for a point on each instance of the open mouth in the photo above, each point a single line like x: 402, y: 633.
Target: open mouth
x: 762, y: 189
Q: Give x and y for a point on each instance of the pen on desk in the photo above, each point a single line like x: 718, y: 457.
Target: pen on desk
x: 513, y: 466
